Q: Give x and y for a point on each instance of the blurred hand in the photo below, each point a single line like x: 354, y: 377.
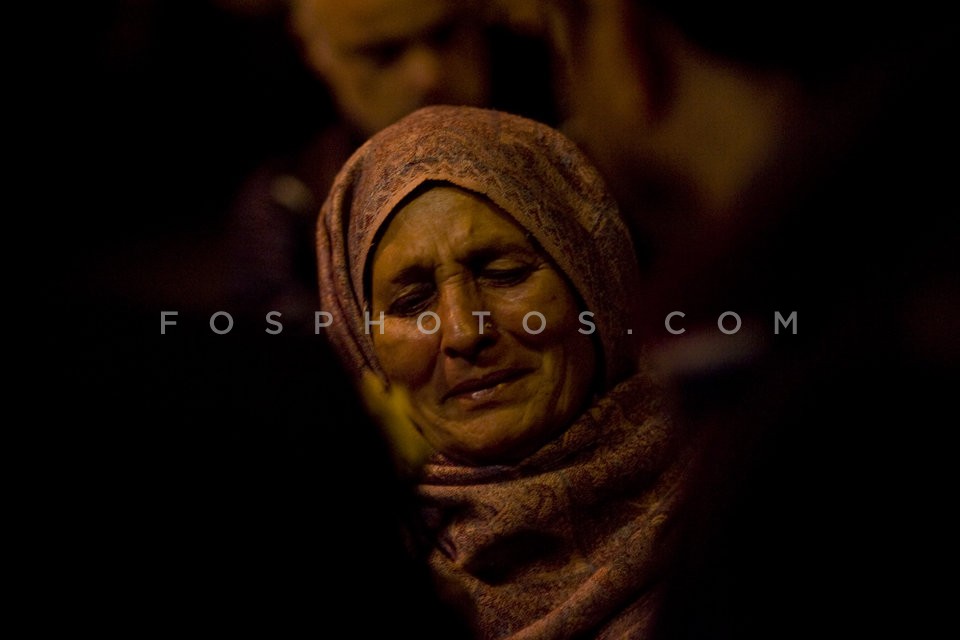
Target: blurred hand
x: 390, y: 408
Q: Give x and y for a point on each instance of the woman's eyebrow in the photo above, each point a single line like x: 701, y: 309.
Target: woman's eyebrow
x: 483, y: 255
x: 412, y: 273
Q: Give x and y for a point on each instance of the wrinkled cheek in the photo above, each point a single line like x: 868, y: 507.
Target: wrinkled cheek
x: 568, y: 358
x: 406, y: 354
x: 538, y: 323
x: 567, y: 374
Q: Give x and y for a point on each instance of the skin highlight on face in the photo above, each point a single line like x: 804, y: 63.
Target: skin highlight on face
x: 483, y: 389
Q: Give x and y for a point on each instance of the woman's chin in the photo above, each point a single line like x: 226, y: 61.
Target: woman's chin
x: 491, y: 445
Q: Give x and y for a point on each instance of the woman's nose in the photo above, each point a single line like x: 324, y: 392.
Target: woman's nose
x: 465, y: 326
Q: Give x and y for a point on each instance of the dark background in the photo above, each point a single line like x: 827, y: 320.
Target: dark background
x: 187, y: 480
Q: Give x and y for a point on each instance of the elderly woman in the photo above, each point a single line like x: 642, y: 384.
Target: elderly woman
x: 474, y: 262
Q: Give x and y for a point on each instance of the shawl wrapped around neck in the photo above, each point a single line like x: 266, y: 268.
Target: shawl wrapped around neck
x: 570, y: 541
x: 573, y: 541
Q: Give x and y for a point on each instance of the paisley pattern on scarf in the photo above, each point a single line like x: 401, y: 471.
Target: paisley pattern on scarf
x: 572, y: 540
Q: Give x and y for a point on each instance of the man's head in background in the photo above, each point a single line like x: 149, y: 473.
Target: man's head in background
x: 383, y: 59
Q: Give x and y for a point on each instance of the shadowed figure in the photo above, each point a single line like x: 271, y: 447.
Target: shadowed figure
x: 772, y: 160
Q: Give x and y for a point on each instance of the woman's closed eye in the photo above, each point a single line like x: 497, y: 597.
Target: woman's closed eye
x: 416, y: 292
x: 505, y: 274
x: 411, y: 300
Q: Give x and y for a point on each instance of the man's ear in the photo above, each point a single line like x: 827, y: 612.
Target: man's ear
x: 304, y: 24
x: 648, y: 47
x: 319, y: 52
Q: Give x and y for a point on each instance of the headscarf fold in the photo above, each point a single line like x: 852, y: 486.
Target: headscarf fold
x: 532, y: 172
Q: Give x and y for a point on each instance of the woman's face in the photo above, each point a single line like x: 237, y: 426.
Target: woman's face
x: 484, y: 388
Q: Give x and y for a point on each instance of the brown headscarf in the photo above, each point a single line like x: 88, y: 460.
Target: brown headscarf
x: 568, y: 542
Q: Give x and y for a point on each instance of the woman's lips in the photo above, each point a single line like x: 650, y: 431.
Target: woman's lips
x: 483, y: 387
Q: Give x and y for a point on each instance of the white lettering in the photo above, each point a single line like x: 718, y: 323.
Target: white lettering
x: 587, y: 323
x: 317, y: 325
x: 270, y: 320
x: 778, y: 320
x: 670, y: 316
x: 367, y: 322
x: 480, y: 315
x: 720, y: 322
x: 164, y: 323
x: 213, y: 325
x: 436, y: 323
x: 543, y: 322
